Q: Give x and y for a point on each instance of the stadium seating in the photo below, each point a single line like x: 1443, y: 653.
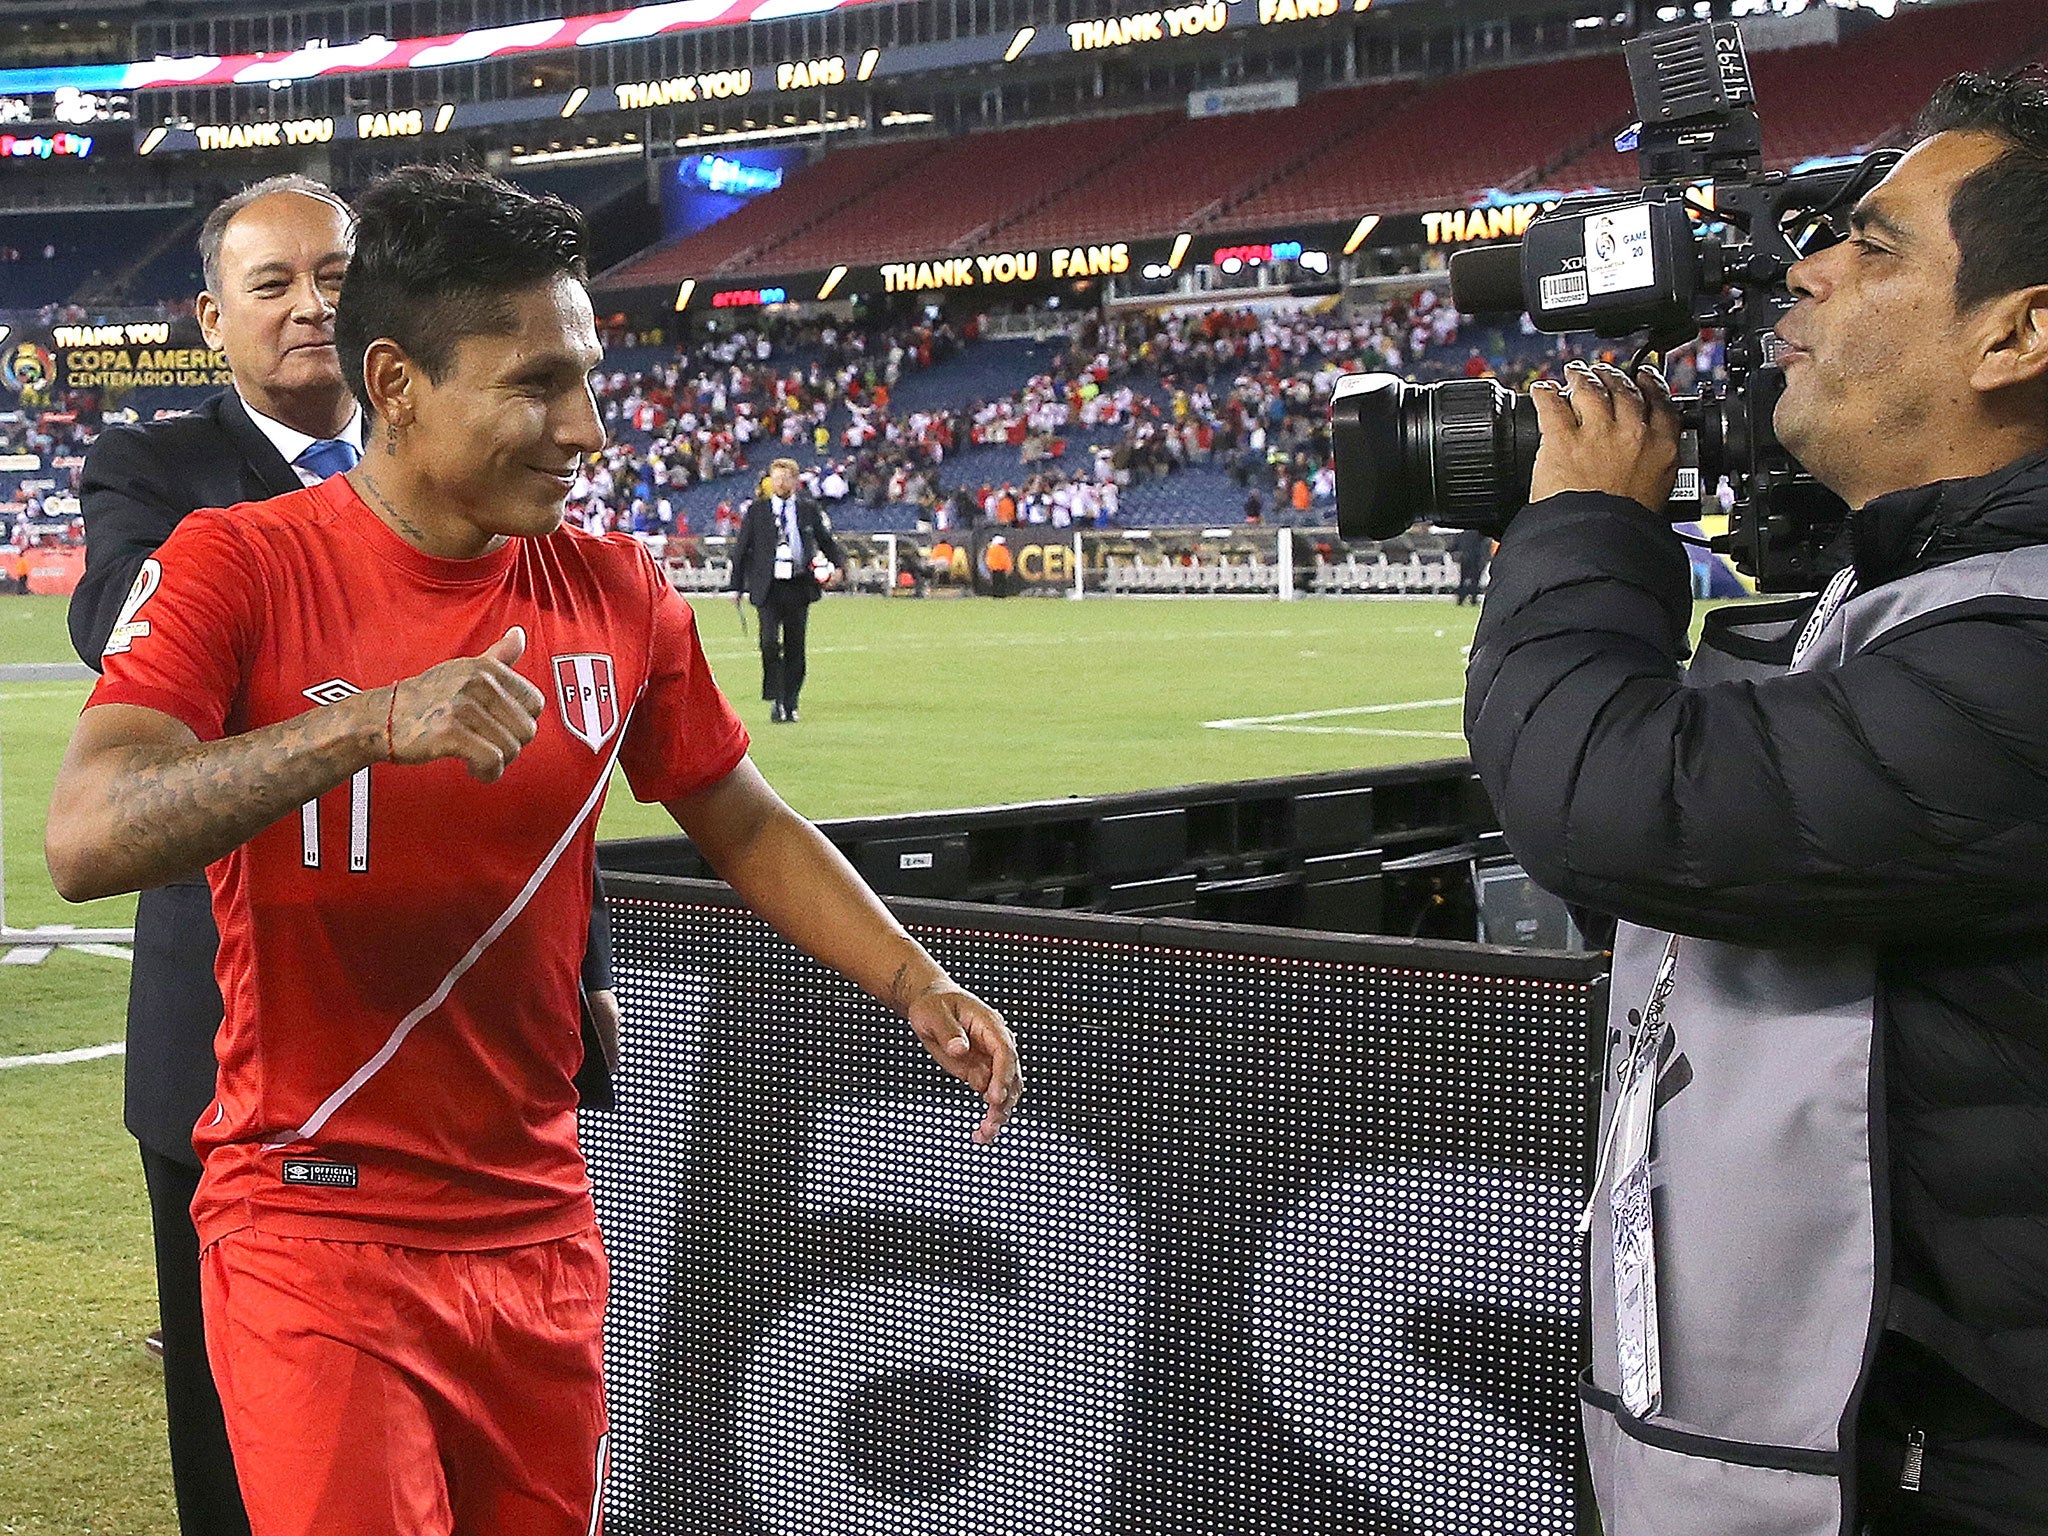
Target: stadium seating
x: 89, y: 247
x: 1387, y: 148
x: 1066, y: 183
x: 987, y: 371
x: 1460, y: 137
x: 1178, y: 179
x: 171, y: 272
x: 968, y: 190
x: 1859, y: 95
x: 1188, y: 498
x: 811, y: 194
x: 1821, y: 101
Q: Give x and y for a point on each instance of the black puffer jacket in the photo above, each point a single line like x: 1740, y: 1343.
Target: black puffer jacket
x: 1900, y: 801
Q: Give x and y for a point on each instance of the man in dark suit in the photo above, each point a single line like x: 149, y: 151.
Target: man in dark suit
x: 1473, y: 549
x: 781, y: 538
x: 274, y: 256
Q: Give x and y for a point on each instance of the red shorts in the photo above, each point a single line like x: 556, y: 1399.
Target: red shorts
x: 372, y: 1390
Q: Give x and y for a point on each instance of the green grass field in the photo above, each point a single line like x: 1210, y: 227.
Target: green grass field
x: 910, y: 706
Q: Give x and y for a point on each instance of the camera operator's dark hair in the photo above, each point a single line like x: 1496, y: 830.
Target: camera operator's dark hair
x: 1999, y: 213
x: 438, y: 254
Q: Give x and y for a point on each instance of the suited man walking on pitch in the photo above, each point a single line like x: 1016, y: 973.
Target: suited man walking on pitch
x: 781, y: 537
x: 274, y: 257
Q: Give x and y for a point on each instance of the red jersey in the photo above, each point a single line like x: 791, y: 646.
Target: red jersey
x: 400, y: 958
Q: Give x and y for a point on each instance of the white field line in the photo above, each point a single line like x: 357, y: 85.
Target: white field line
x: 1360, y: 730
x: 59, y: 1058
x: 105, y: 951
x: 14, y: 692
x: 1297, y: 722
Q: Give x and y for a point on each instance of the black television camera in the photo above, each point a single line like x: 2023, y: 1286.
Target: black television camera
x: 1664, y: 262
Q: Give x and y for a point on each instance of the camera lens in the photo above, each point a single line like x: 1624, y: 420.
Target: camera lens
x: 1485, y: 447
x: 1458, y: 453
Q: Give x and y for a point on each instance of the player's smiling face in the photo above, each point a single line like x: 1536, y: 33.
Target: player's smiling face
x: 500, y: 434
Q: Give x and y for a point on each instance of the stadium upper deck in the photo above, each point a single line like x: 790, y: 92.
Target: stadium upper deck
x: 1341, y: 161
x: 926, y: 144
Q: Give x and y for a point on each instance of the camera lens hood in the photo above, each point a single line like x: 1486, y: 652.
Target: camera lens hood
x: 1382, y: 484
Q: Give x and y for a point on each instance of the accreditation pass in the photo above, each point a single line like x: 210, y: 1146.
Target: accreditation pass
x: 1635, y: 1249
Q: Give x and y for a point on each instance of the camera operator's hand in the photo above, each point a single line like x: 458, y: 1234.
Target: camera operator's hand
x: 1604, y: 431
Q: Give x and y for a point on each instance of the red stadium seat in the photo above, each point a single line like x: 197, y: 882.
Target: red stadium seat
x: 962, y: 193
x: 813, y: 193
x: 1860, y: 94
x: 1462, y: 136
x: 1183, y: 179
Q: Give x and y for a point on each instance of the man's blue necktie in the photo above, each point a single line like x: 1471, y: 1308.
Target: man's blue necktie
x: 330, y: 456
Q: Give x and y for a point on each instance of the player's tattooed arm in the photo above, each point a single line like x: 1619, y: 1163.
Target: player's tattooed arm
x: 141, y: 800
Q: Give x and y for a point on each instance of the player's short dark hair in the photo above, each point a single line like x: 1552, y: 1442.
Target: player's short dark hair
x: 1998, y: 215
x: 438, y: 254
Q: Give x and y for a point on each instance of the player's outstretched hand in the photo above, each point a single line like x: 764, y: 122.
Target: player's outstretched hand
x: 970, y: 1040
x: 474, y: 707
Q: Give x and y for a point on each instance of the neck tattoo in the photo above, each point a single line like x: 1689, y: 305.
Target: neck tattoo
x: 383, y: 507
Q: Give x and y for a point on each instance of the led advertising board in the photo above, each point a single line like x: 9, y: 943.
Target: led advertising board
x: 1281, y: 1242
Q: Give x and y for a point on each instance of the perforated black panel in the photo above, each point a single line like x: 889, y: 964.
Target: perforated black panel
x: 1277, y: 1246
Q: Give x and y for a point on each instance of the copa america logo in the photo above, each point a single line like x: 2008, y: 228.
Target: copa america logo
x: 28, y: 365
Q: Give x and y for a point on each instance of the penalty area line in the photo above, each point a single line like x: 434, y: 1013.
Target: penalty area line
x: 1297, y: 720
x: 1361, y: 730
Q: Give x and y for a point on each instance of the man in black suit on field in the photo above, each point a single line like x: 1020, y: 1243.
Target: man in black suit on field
x: 781, y: 536
x: 274, y: 256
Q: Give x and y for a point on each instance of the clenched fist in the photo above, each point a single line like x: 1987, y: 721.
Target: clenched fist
x: 474, y: 707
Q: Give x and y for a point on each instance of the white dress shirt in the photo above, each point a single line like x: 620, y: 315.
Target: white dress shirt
x: 290, y: 442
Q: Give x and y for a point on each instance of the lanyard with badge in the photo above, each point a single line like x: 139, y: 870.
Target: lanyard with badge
x: 785, y: 552
x: 1627, y: 1156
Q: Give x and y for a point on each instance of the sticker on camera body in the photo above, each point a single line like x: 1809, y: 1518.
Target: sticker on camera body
x: 1618, y: 251
x: 1562, y: 290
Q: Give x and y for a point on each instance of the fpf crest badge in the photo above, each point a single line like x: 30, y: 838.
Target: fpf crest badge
x: 589, y: 698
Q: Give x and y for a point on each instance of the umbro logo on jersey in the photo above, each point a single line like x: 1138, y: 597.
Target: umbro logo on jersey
x: 589, y: 698
x: 333, y: 691
x: 299, y: 1170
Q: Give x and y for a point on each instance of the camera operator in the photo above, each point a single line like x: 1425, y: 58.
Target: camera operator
x: 1820, y: 1293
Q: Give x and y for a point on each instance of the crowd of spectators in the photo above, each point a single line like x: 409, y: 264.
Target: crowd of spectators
x: 1244, y: 391
x: 44, y: 507
x: 1135, y: 401
x: 724, y: 406
x: 1129, y: 402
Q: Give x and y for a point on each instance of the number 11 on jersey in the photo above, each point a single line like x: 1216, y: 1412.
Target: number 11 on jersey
x: 333, y: 691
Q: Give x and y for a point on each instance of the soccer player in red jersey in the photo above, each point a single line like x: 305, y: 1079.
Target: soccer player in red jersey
x: 383, y: 713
